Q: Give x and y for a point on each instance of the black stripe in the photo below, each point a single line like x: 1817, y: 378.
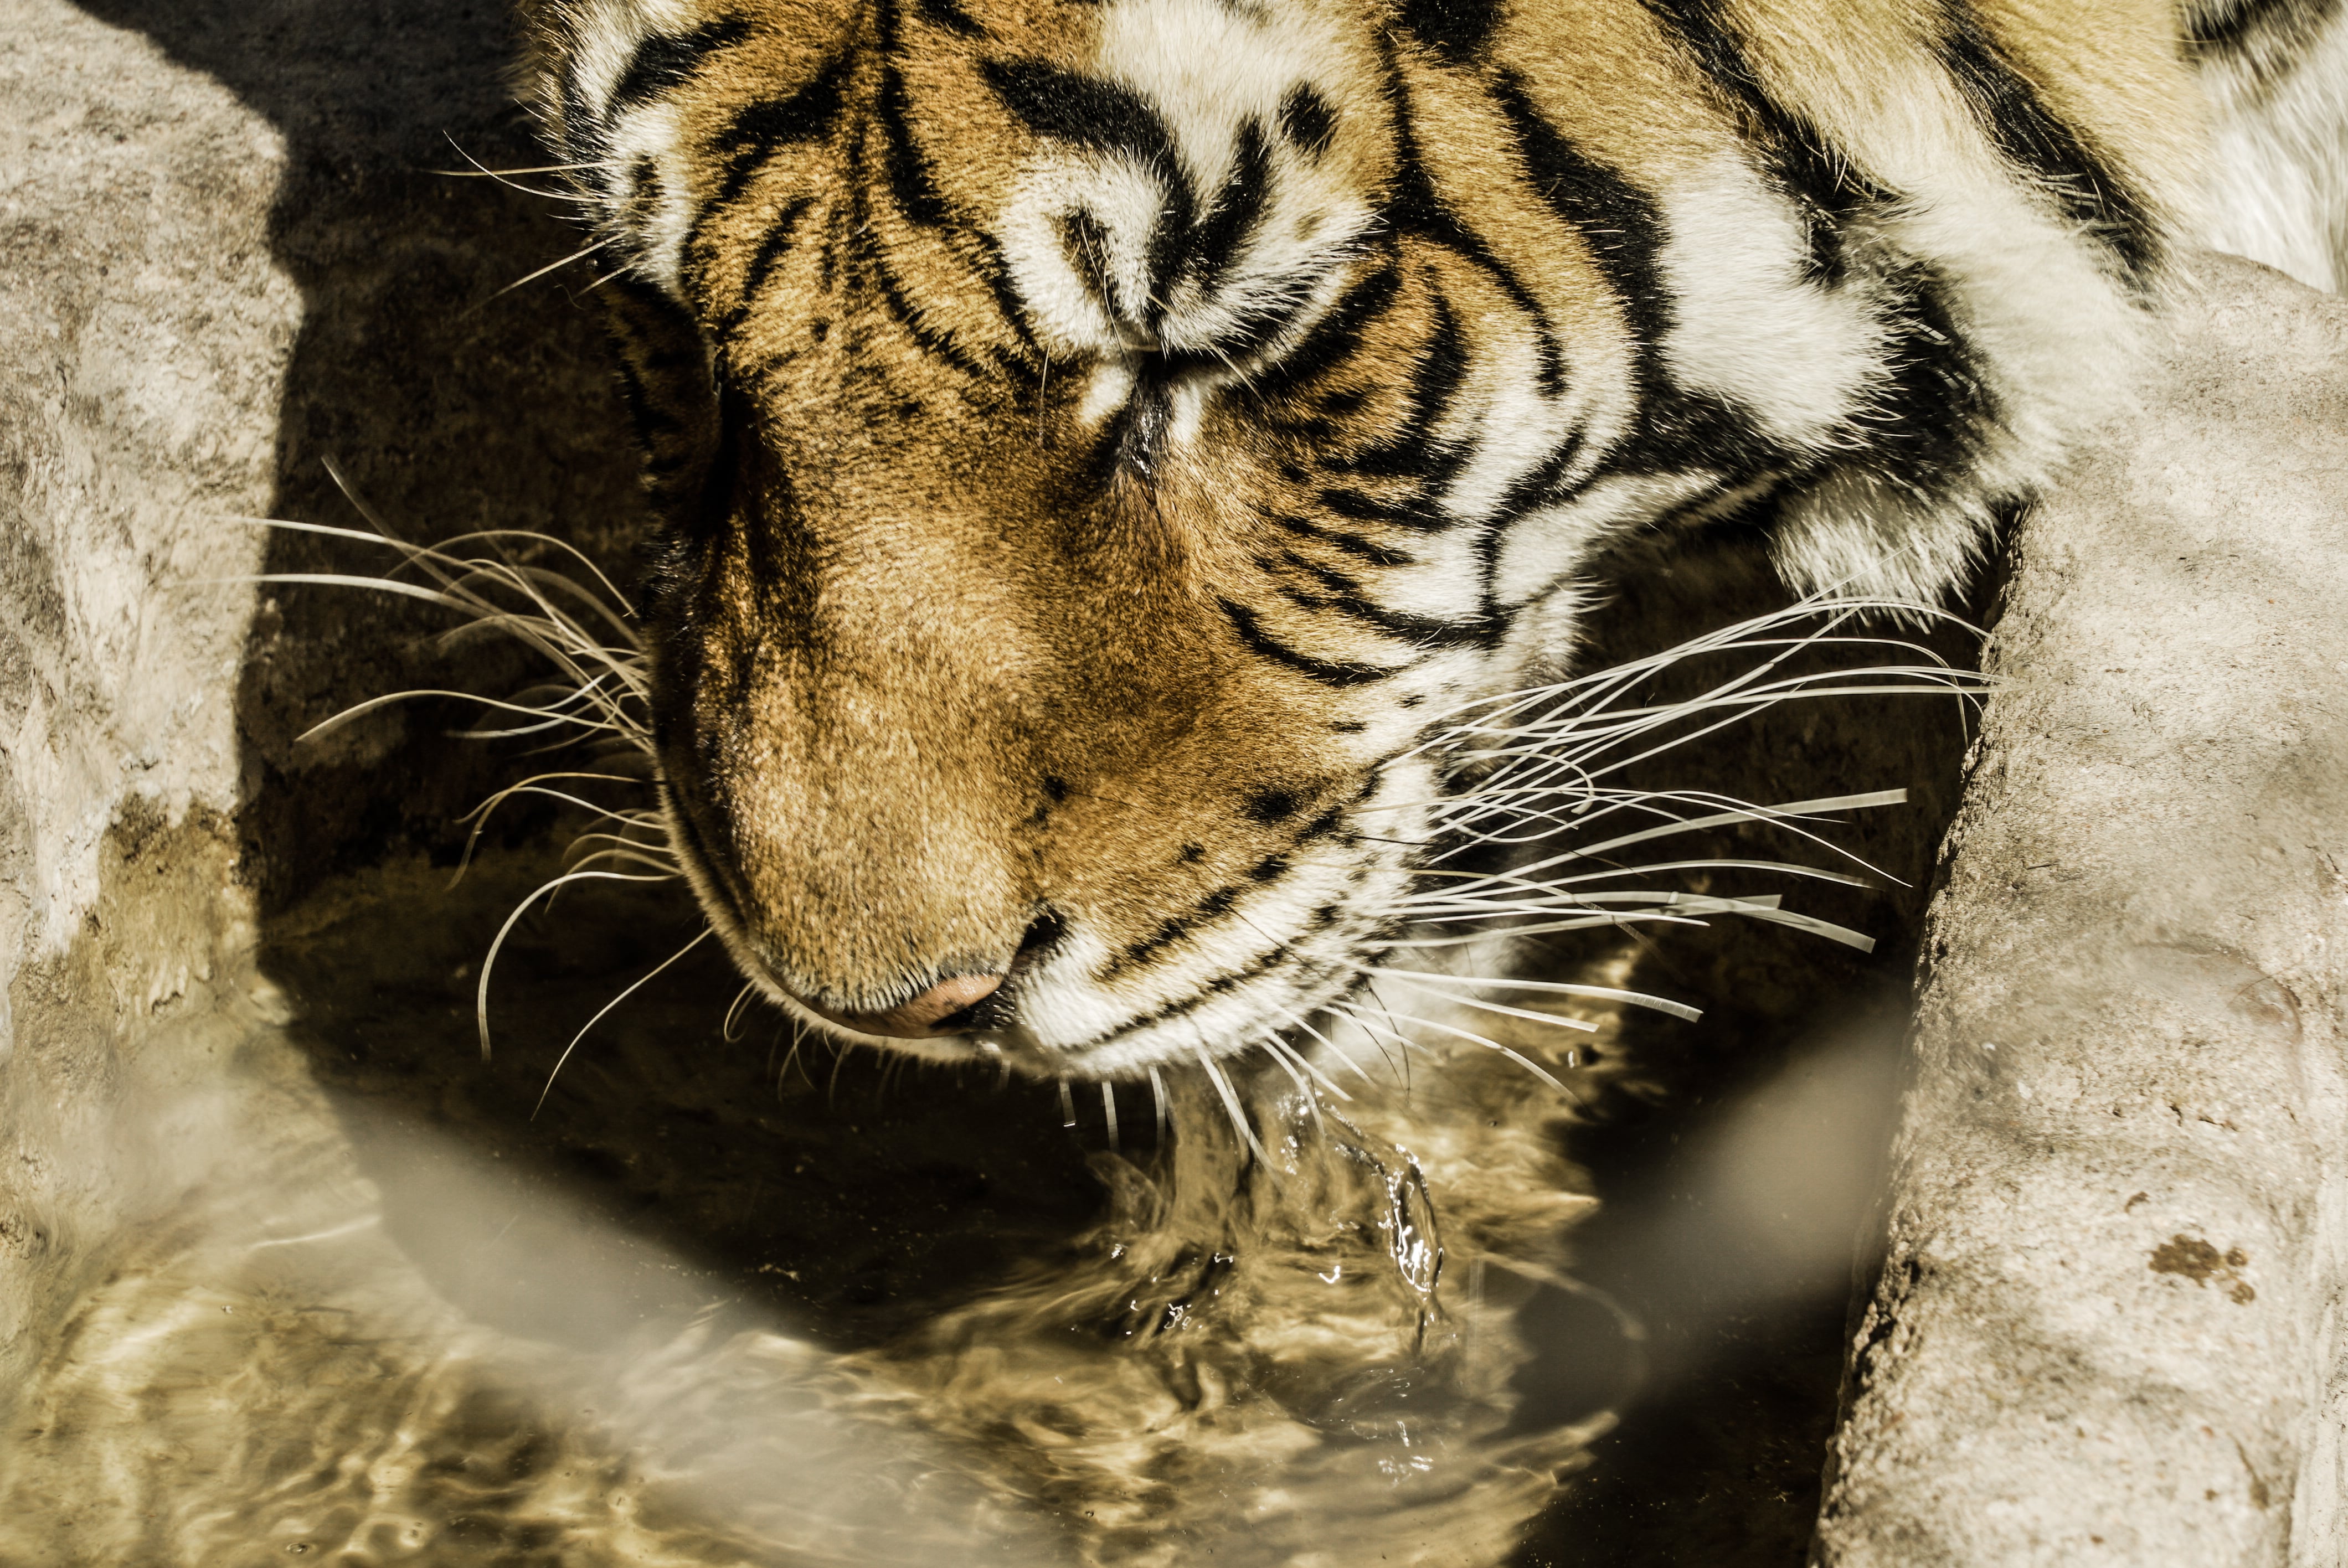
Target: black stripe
x: 1347, y: 598
x: 1810, y: 167
x: 1084, y: 245
x: 669, y: 60
x: 2030, y: 135
x: 1336, y: 336
x: 1307, y: 120
x: 1624, y: 230
x: 1106, y: 118
x: 1436, y: 379
x: 1925, y: 428
x: 1273, y: 803
x: 1455, y: 30
x: 1352, y: 544
x: 910, y: 183
x: 1320, y: 826
x: 1238, y: 208
x: 1416, y: 512
x: 1222, y: 984
x: 902, y: 310
x: 763, y: 129
x: 1544, y: 487
x: 950, y: 16
x: 1069, y: 106
x: 1251, y: 630
x: 772, y: 248
x: 987, y: 260
x: 1210, y: 909
x: 2230, y: 26
x: 584, y: 138
x: 1414, y: 208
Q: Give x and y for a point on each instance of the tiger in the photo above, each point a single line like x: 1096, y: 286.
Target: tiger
x: 1096, y: 443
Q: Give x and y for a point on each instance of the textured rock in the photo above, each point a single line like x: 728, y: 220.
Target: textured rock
x: 144, y: 332
x: 2107, y: 1326
x: 226, y: 256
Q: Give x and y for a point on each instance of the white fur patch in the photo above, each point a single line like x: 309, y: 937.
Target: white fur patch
x: 2278, y: 190
x: 1751, y: 328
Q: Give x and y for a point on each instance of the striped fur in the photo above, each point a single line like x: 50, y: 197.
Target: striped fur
x: 2278, y: 188
x: 1095, y: 434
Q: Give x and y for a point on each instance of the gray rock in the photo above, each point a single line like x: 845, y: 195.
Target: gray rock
x: 144, y: 335
x: 2107, y: 1326
x: 226, y: 255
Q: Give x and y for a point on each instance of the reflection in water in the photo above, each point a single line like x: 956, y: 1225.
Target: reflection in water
x: 428, y: 1355
x: 1242, y: 1363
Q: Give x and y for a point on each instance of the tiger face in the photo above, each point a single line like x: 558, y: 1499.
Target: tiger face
x: 1105, y: 443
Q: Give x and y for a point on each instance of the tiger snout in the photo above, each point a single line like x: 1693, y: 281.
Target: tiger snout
x: 1021, y: 818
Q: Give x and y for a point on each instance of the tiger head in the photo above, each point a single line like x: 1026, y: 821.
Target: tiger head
x: 1103, y: 443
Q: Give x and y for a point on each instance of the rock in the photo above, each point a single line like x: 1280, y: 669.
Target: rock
x: 2106, y: 1326
x: 226, y: 255
x: 145, y: 332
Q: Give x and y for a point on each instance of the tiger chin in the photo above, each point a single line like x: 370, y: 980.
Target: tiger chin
x: 1103, y: 444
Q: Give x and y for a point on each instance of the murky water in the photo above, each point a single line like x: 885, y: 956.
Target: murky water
x: 715, y: 1307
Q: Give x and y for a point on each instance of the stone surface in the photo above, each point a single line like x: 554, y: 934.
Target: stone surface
x: 2107, y: 1326
x: 227, y: 254
x: 144, y: 333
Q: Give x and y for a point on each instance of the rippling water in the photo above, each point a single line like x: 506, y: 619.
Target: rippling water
x: 385, y: 1327
x: 719, y: 1304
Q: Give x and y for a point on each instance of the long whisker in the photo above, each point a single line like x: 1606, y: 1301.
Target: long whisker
x: 735, y: 1011
x: 1520, y: 1057
x: 1288, y: 1063
x: 579, y: 255
x: 1231, y: 1103
x: 706, y: 932
x: 489, y: 964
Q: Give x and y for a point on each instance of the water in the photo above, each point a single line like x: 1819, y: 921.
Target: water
x: 720, y: 1305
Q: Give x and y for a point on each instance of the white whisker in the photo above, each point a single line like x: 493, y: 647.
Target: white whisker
x: 734, y: 1012
x: 1318, y: 1075
x: 579, y: 255
x: 1553, y: 988
x: 1288, y: 1063
x: 481, y: 993
x: 706, y: 932
x: 1520, y: 1057
x: 1231, y: 1103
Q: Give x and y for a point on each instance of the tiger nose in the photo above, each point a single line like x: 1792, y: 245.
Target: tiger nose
x: 921, y: 1017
